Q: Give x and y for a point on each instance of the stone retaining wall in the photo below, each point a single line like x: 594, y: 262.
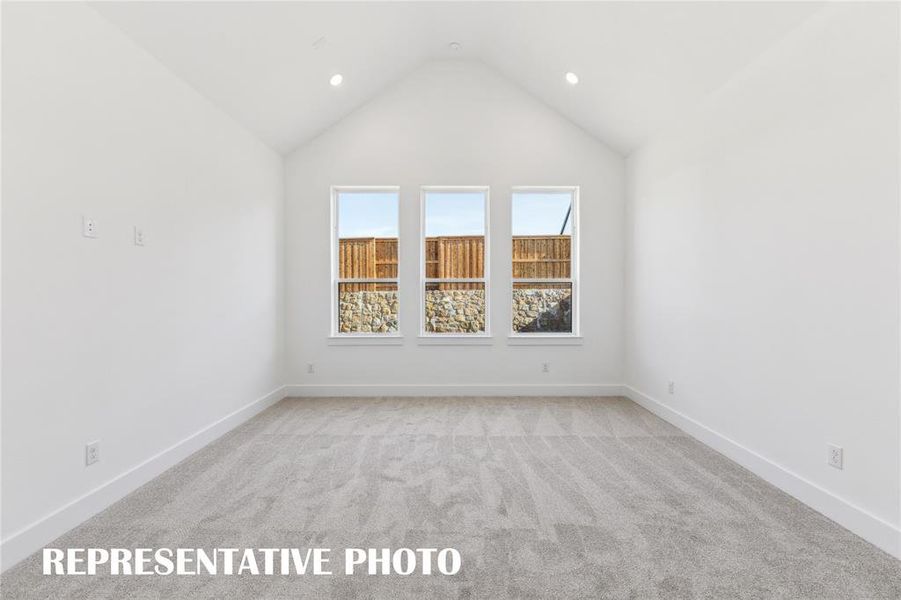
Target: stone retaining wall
x: 456, y: 311
x: 367, y: 312
x: 542, y: 310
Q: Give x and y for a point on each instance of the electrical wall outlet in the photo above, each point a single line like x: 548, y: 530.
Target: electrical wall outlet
x: 311, y: 368
x: 835, y: 456
x: 671, y: 387
x: 139, y: 236
x: 92, y: 453
x: 88, y: 227
x: 546, y: 367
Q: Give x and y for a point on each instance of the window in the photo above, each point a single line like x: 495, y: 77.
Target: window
x: 545, y: 261
x: 455, y: 261
x: 364, y: 266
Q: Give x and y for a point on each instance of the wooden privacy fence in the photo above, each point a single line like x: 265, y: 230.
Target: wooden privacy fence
x: 367, y: 258
x: 461, y: 257
x: 452, y: 257
x: 541, y: 256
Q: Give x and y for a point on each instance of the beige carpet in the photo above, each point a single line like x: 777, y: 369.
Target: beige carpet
x: 544, y: 497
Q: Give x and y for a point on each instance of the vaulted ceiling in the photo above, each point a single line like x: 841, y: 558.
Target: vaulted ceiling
x: 640, y: 64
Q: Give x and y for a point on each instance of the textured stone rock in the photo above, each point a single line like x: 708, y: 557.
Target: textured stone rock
x: 456, y: 311
x: 367, y: 312
x: 542, y: 310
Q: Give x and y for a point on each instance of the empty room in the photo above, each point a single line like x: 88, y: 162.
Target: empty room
x: 415, y: 300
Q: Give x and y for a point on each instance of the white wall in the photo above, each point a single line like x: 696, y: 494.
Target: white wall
x: 136, y: 347
x: 453, y: 123
x: 763, y: 263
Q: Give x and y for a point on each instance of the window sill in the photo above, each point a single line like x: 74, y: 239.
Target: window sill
x: 366, y: 340
x: 455, y: 340
x: 525, y: 339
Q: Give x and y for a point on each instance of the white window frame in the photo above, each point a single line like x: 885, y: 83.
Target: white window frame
x: 426, y: 337
x: 336, y: 337
x: 550, y: 338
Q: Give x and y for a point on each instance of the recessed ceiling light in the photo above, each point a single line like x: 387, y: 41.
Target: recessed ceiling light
x: 336, y: 79
x: 455, y: 45
x: 572, y: 78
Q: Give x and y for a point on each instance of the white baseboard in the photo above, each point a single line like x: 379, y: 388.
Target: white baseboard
x: 306, y: 390
x: 875, y: 530
x: 32, y: 538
